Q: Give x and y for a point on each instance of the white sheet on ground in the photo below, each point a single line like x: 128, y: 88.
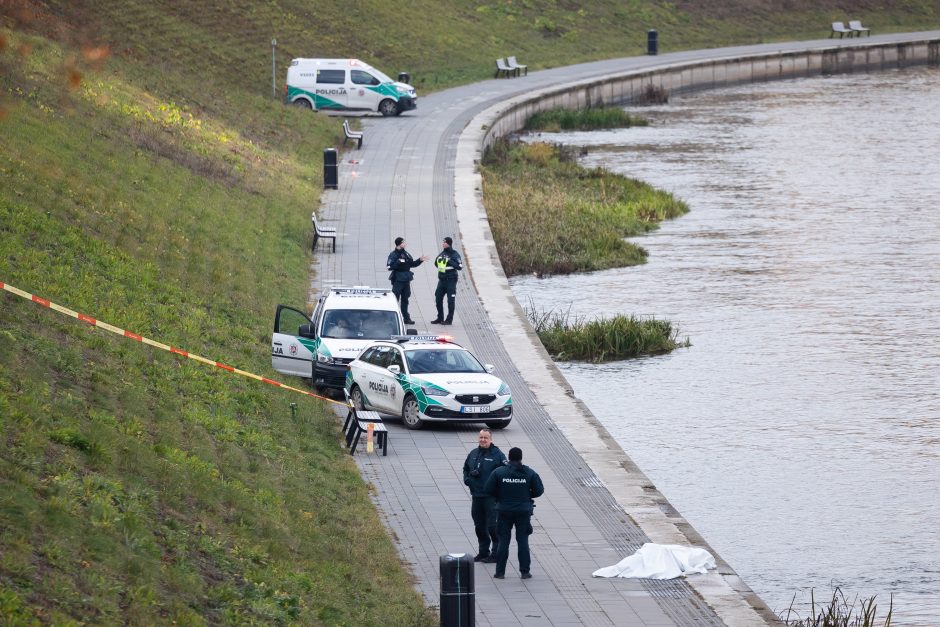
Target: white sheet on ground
x: 661, y: 561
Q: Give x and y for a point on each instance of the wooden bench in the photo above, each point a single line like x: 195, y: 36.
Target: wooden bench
x: 858, y: 29
x: 504, y: 69
x: 516, y: 66
x: 326, y: 232
x: 351, y: 134
x: 839, y: 27
x: 359, y: 424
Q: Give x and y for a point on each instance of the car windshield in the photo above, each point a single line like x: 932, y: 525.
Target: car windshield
x: 359, y: 324
x: 380, y: 75
x: 442, y: 360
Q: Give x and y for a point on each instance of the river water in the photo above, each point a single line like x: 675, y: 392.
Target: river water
x: 800, y: 433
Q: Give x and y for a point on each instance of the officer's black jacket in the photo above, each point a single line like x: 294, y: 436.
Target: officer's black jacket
x: 514, y: 487
x: 400, y: 263
x: 486, y: 461
x: 452, y: 257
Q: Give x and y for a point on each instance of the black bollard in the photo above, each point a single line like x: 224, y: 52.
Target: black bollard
x: 652, y: 42
x: 330, y: 169
x: 457, y: 596
x: 404, y: 77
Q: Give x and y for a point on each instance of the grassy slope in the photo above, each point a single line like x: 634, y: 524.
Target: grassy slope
x: 160, y: 189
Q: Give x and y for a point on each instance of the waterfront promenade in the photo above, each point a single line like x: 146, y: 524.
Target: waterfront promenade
x: 413, y: 177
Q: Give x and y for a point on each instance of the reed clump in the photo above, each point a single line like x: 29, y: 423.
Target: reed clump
x: 582, y: 120
x: 550, y: 215
x: 840, y: 613
x: 574, y: 338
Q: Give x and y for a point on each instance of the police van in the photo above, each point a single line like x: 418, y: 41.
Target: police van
x: 346, y: 84
x: 345, y: 320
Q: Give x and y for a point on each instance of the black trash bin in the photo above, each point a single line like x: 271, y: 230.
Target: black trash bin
x: 330, y: 169
x: 458, y: 602
x: 404, y: 77
x: 652, y: 41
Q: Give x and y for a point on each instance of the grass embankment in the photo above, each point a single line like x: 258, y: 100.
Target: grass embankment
x: 443, y: 42
x: 583, y: 120
x: 135, y: 486
x: 549, y: 215
x: 598, y: 340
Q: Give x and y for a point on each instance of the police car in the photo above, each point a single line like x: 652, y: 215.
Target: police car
x: 428, y: 378
x: 345, y: 320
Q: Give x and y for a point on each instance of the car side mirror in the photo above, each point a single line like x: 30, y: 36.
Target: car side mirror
x: 490, y: 368
x: 306, y: 331
x: 394, y: 369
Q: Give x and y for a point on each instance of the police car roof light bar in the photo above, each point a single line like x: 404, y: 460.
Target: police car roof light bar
x: 422, y: 338
x: 361, y: 290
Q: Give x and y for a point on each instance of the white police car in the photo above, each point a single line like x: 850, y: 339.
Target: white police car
x: 428, y: 378
x: 345, y: 320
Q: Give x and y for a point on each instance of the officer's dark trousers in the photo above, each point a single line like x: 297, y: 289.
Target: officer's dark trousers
x: 402, y: 291
x: 446, y: 286
x: 504, y: 524
x: 483, y: 511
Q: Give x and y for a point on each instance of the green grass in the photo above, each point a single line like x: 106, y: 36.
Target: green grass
x: 573, y: 338
x: 549, y: 215
x: 136, y: 486
x: 584, y: 120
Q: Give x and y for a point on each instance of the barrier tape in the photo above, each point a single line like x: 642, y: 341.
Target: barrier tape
x: 144, y: 340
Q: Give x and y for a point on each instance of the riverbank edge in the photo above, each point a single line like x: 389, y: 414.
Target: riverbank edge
x: 723, y: 590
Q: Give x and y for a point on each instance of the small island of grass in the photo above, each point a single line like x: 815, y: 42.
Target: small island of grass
x: 568, y: 338
x: 550, y: 215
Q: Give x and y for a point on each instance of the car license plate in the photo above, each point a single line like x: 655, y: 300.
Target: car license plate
x: 475, y: 409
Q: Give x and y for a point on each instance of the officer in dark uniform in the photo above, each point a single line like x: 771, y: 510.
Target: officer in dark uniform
x: 400, y: 263
x: 482, y: 461
x: 448, y: 262
x: 514, y: 486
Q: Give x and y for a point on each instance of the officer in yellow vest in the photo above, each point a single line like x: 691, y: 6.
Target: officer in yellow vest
x: 448, y: 262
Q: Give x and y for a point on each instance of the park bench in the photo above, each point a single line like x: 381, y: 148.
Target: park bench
x: 326, y: 232
x: 359, y: 421
x: 351, y: 134
x: 503, y: 68
x: 839, y: 27
x: 516, y: 66
x: 858, y: 29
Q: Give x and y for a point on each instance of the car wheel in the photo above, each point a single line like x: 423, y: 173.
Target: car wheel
x: 388, y: 107
x: 303, y: 103
x: 497, y: 424
x: 356, y: 396
x: 410, y: 413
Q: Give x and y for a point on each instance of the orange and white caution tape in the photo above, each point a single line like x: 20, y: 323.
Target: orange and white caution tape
x: 172, y: 349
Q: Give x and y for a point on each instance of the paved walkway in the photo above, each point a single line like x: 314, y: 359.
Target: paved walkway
x: 402, y: 182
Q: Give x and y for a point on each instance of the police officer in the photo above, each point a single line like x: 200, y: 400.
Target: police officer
x: 448, y: 262
x: 482, y: 461
x: 514, y: 486
x: 400, y: 263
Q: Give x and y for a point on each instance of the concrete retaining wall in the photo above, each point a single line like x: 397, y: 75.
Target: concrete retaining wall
x: 631, y: 87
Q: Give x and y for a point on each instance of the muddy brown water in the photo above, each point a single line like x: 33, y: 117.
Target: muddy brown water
x: 800, y: 434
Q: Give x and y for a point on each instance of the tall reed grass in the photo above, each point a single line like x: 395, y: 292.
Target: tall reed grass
x: 840, y: 613
x: 574, y: 338
x: 582, y: 120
